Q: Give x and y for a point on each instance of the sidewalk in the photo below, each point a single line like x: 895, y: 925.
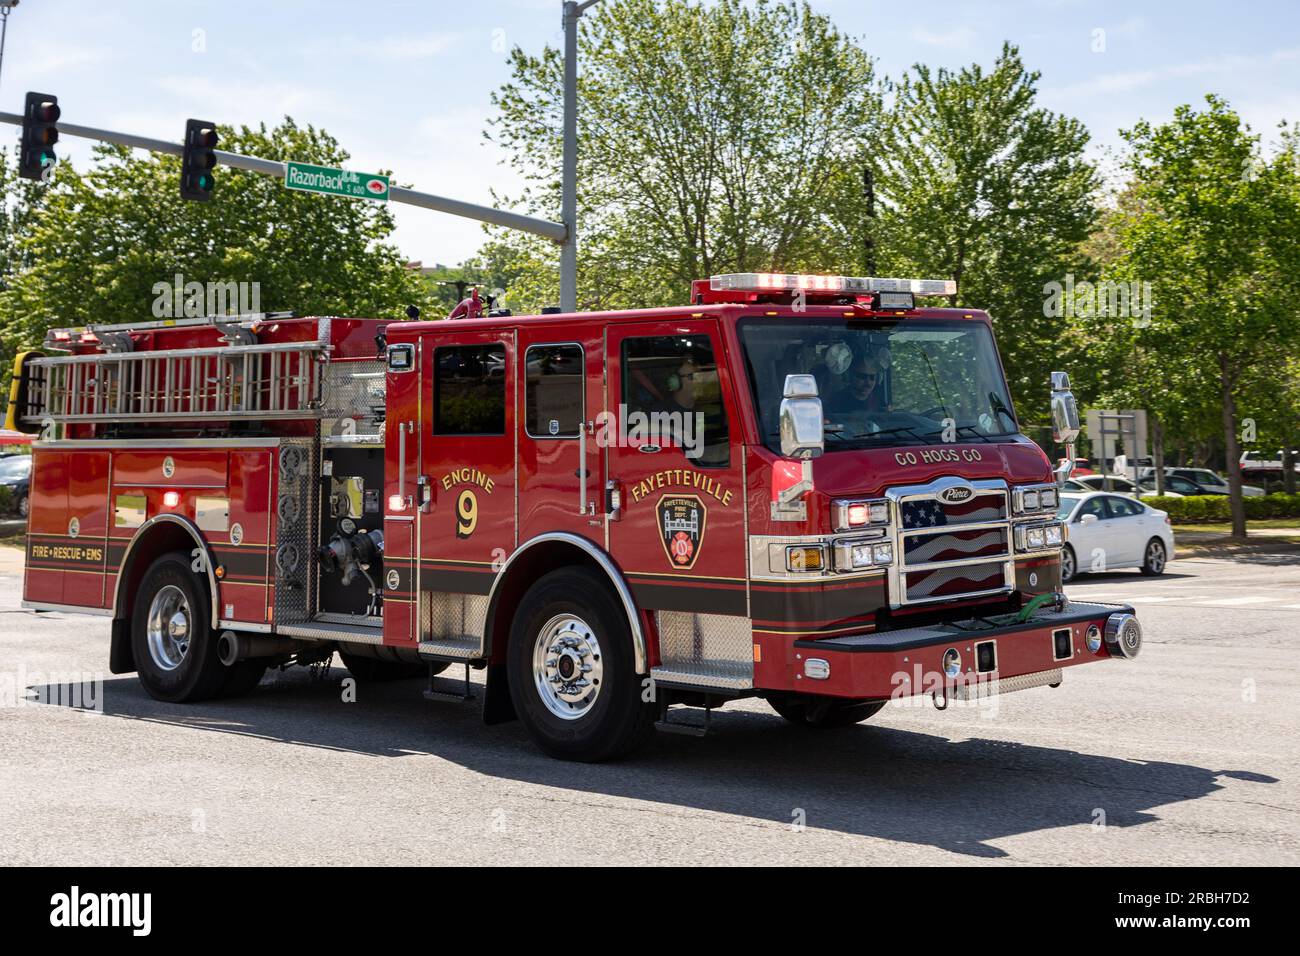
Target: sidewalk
x: 1259, y: 540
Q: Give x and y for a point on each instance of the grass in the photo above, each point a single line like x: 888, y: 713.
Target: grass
x: 1226, y: 528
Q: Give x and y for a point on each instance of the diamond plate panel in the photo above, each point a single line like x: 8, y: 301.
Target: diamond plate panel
x: 979, y: 690
x: 295, y: 540
x: 705, y: 649
x: 452, y: 623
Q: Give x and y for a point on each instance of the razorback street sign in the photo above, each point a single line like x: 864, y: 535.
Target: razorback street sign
x: 335, y: 182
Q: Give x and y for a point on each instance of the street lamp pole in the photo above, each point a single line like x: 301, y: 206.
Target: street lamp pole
x: 573, y: 11
x: 6, y: 8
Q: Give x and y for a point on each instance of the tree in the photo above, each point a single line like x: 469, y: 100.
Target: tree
x: 979, y: 184
x: 97, y: 244
x: 1215, y: 235
x: 709, y: 140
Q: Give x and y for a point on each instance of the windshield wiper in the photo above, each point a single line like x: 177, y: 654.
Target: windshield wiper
x: 908, y: 429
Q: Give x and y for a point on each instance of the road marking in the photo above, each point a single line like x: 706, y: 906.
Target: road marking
x: 1248, y: 599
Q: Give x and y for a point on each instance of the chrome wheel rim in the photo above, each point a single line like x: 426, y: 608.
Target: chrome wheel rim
x: 1156, y: 556
x: 568, y: 666
x: 1067, y: 566
x: 23, y: 507
x: 169, y: 627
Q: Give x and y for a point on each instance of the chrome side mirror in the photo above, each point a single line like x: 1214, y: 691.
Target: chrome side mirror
x: 1065, y: 423
x: 803, y: 432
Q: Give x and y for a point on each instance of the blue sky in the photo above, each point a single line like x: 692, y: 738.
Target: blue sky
x: 428, y: 69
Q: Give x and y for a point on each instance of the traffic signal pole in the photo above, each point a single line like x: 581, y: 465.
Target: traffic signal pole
x: 554, y: 231
x: 573, y: 11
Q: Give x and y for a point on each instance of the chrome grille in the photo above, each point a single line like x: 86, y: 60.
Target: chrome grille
x: 951, y: 550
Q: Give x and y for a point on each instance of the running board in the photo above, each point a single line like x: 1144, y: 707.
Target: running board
x: 466, y: 649
x: 322, y: 631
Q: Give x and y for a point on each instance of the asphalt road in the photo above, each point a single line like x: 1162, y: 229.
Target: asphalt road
x: 1186, y: 756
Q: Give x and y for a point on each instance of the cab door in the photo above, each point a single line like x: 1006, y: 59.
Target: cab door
x: 468, y: 452
x: 675, y: 462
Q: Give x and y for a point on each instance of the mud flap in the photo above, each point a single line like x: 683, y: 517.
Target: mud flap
x: 121, y: 659
x: 498, y: 708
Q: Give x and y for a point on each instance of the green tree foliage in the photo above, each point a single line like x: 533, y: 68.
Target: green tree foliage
x: 95, y: 245
x: 1214, y: 233
x: 979, y: 184
x: 709, y: 141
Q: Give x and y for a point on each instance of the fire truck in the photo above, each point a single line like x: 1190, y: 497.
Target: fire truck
x: 804, y: 488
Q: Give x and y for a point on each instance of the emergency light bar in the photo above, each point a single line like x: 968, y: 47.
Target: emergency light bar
x: 852, y: 285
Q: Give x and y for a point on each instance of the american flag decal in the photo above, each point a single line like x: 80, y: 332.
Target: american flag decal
x: 952, y: 540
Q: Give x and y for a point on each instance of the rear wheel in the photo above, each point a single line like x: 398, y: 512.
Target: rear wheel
x: 572, y: 673
x: 1154, y: 558
x: 824, y: 712
x: 1069, y: 565
x: 171, y: 634
x: 24, y: 505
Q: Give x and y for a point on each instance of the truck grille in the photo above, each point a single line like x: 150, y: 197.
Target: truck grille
x: 952, y: 550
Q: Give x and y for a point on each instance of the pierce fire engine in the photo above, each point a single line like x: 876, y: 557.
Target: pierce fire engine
x: 803, y: 488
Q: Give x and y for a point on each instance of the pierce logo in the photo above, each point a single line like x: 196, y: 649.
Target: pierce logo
x: 956, y: 495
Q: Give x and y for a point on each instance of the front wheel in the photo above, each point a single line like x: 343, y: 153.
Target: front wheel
x: 1154, y: 558
x: 1069, y: 565
x: 823, y: 712
x: 24, y: 506
x: 171, y: 634
x: 572, y: 673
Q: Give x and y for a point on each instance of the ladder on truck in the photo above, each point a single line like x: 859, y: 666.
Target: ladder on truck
x: 244, y: 381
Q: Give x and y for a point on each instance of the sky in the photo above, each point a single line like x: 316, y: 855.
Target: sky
x: 406, y: 85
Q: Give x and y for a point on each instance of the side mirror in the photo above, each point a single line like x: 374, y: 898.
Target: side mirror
x: 1065, y: 423
x: 803, y: 432
x: 1087, y: 519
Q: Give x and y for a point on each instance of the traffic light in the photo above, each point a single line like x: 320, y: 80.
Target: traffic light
x: 39, y: 135
x: 198, y: 160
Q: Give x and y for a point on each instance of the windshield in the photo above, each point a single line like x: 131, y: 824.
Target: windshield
x: 913, y: 382
x: 19, y: 466
x: 1066, y: 505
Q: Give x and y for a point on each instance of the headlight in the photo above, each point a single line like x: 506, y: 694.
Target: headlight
x: 1036, y: 538
x: 856, y: 555
x: 1053, y: 535
x: 1031, y: 500
x: 883, y: 553
x: 1047, y: 498
x: 850, y: 514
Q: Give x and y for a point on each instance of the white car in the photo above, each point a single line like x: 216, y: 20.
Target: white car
x: 1105, y: 532
x: 1118, y: 484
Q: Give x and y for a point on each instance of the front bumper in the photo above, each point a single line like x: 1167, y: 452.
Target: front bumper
x: 907, y: 662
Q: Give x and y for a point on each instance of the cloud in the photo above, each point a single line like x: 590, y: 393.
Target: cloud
x: 409, y: 47
x: 1104, y: 84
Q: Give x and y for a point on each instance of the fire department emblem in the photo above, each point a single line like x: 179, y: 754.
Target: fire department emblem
x: 681, y: 526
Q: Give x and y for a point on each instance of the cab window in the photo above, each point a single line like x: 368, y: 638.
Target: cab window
x: 470, y: 390
x: 553, y: 380
x: 670, y: 383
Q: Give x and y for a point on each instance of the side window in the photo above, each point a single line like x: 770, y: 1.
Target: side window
x: 671, y: 385
x: 1182, y: 486
x: 470, y: 390
x: 553, y: 380
x: 1123, y: 507
x: 1095, y: 507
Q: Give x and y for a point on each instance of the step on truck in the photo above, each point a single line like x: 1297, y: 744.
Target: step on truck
x: 808, y: 489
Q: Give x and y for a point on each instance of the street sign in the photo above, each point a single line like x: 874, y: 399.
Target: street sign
x: 335, y: 182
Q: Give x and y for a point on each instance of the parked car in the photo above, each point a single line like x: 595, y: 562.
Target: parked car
x: 1194, y: 481
x: 16, y: 475
x: 1118, y: 484
x: 1262, y: 468
x: 1081, y: 466
x: 1121, y: 532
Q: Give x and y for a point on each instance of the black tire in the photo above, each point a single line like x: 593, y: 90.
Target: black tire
x: 23, y: 506
x: 613, y: 719
x: 243, y: 677
x: 198, y: 672
x: 1154, y: 563
x: 824, y: 712
x: 371, y: 670
x: 1069, y: 565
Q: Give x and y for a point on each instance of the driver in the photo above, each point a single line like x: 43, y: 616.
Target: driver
x: 864, y: 391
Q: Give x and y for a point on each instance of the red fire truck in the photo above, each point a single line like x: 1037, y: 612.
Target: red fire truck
x: 803, y: 488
